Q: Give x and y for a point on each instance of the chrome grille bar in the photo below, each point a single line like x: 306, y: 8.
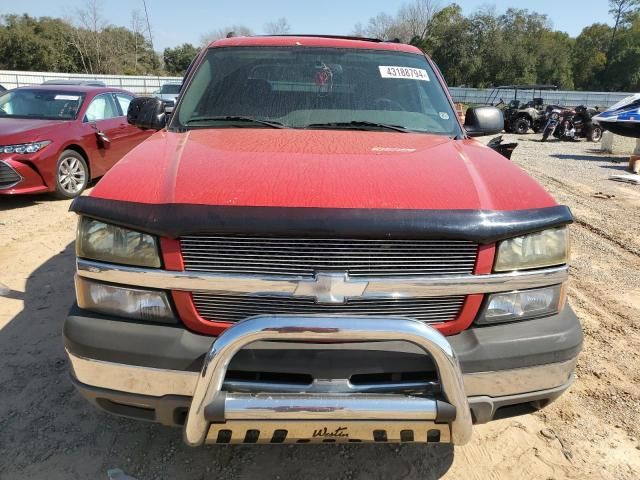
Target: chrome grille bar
x: 232, y: 308
x: 379, y: 288
x: 305, y: 256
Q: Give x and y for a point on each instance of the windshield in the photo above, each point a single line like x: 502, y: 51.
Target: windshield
x: 41, y: 104
x: 310, y: 87
x: 170, y: 88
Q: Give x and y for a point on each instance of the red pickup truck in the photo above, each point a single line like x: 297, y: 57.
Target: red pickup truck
x: 311, y: 248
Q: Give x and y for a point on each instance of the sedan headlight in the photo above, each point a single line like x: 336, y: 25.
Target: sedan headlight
x: 523, y: 305
x: 541, y: 249
x: 138, y: 304
x: 101, y: 241
x: 24, y: 147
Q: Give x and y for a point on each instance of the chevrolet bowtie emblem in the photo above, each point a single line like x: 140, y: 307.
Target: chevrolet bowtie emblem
x: 330, y: 288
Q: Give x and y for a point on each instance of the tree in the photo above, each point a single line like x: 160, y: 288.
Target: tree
x: 107, y: 49
x: 417, y: 17
x: 621, y: 10
x: 623, y: 72
x: 137, y: 27
x: 555, y: 63
x: 488, y: 47
x: 278, y: 27
x: 522, y: 30
x: 450, y: 43
x: 485, y: 48
x: 178, y: 59
x: 28, y: 43
x: 87, y: 38
x: 384, y: 27
x: 590, y: 56
x: 233, y: 30
x: 120, y: 57
x: 411, y: 23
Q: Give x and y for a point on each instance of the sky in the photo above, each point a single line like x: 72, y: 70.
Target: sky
x: 175, y: 22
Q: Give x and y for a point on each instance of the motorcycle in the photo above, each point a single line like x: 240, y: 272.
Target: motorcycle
x: 567, y: 124
x: 553, y: 115
x: 584, y: 124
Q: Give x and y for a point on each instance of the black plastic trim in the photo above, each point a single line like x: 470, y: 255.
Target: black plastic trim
x: 553, y: 339
x: 120, y: 340
x: 215, y: 410
x: 175, y: 220
x: 484, y: 409
x: 171, y: 410
x: 445, y: 412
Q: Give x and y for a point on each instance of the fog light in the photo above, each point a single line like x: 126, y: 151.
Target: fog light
x: 522, y: 305
x: 148, y: 305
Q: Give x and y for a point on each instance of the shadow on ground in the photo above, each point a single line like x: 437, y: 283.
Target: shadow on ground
x: 11, y: 202
x: 49, y: 431
x: 21, y: 201
x: 623, y: 168
x: 589, y: 158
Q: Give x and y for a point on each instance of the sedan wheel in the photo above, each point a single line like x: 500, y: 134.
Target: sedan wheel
x: 72, y: 175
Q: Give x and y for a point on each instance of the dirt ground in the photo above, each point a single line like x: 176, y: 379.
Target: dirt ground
x: 593, y: 432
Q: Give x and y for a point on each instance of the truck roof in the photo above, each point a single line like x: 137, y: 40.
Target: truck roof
x: 331, y: 41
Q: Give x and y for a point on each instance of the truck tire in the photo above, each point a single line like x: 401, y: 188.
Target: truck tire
x: 521, y: 125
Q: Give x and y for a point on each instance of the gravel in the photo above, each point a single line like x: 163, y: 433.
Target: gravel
x: 591, y: 432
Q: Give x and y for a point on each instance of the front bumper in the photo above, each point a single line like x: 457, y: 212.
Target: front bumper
x: 151, y: 372
x: 21, y: 178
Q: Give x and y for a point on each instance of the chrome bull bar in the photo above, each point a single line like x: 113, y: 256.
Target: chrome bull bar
x: 217, y: 416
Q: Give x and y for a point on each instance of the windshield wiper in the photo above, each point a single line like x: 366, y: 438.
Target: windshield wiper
x: 237, y: 118
x: 359, y: 124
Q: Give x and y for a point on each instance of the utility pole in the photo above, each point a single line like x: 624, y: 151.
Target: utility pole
x: 146, y: 13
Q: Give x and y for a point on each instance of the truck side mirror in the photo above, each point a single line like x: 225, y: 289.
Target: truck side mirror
x: 481, y: 121
x: 147, y: 113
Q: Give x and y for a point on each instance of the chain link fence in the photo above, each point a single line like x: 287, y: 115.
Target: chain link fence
x: 142, y: 85
x: 480, y: 96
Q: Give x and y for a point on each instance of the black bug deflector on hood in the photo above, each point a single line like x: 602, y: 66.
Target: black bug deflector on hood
x: 175, y: 220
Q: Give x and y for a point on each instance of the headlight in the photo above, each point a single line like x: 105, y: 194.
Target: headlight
x: 109, y: 243
x: 542, y: 249
x: 522, y: 305
x: 24, y: 147
x: 149, y: 305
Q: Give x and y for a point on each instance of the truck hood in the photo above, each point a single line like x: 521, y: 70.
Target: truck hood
x: 319, y: 168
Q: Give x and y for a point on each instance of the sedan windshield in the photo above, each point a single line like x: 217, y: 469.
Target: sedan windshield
x: 316, y: 88
x: 41, y: 104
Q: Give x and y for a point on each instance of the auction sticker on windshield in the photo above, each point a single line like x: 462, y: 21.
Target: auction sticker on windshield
x: 66, y: 97
x: 404, y: 72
